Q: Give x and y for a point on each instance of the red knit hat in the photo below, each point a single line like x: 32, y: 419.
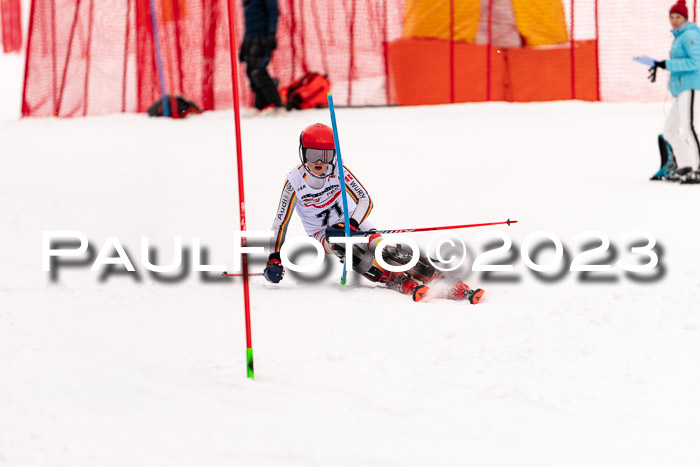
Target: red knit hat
x: 680, y: 8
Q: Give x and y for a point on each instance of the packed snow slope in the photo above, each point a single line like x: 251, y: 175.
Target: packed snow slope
x: 124, y: 369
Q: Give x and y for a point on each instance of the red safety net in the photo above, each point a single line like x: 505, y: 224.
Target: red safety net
x: 89, y: 57
x: 11, y: 25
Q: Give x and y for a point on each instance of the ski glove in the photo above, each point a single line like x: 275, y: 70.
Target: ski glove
x: 341, y: 225
x: 270, y: 42
x: 274, y: 271
x: 652, y: 70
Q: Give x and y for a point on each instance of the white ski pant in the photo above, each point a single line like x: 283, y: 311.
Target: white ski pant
x: 682, y: 127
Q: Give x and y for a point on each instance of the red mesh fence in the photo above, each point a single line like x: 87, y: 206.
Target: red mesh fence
x: 11, y: 25
x: 89, y: 57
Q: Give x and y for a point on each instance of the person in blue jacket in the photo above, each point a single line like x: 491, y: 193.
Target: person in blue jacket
x: 682, y: 127
x: 259, y: 41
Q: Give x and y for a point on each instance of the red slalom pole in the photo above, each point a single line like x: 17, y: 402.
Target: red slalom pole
x: 447, y: 227
x: 241, y: 192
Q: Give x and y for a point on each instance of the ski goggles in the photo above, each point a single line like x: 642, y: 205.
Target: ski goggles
x: 319, y: 155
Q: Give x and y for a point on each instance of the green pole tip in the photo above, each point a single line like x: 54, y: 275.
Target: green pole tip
x: 249, y: 358
x: 342, y: 281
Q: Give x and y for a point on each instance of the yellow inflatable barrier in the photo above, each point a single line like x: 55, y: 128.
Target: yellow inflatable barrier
x: 431, y: 19
x: 540, y: 22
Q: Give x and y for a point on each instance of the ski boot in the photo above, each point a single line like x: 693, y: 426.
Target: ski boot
x: 403, y: 283
x: 668, y: 161
x: 667, y: 169
x: 461, y: 291
x: 422, y: 271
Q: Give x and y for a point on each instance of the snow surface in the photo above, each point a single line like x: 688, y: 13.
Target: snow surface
x: 542, y: 373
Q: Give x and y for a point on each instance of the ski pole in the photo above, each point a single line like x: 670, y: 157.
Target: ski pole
x: 241, y: 191
x: 342, y: 181
x: 225, y: 274
x: 447, y: 227
x: 164, y: 99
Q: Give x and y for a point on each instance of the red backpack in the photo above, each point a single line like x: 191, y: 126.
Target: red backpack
x: 307, y: 92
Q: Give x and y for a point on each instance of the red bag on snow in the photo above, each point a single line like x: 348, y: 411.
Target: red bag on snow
x: 307, y: 92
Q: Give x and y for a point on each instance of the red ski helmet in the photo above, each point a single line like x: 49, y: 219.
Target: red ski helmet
x: 316, y: 143
x: 317, y: 136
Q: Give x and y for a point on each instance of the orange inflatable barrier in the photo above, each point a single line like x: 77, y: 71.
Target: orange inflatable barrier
x: 544, y: 74
x: 419, y: 72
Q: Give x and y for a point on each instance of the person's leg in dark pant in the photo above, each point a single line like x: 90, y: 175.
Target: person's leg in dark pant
x: 261, y: 82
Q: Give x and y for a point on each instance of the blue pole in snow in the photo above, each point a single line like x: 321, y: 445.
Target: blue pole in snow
x: 342, y: 185
x: 166, y: 111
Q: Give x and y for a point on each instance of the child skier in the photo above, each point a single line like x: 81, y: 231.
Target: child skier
x: 314, y: 189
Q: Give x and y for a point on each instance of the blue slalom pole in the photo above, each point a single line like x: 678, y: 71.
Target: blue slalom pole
x: 342, y: 184
x: 166, y: 110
